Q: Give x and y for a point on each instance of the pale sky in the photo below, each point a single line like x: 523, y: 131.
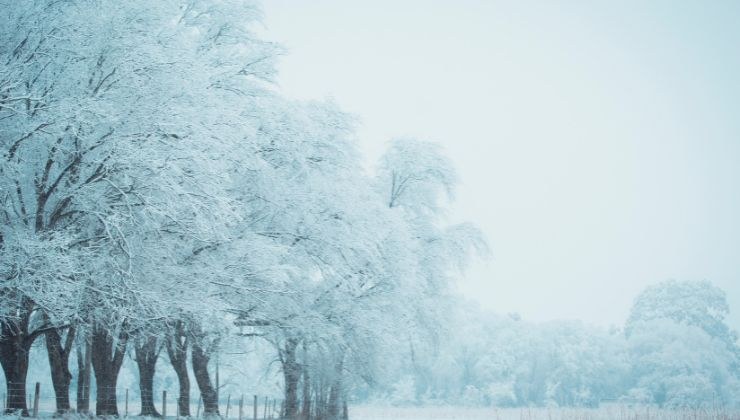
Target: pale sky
x: 597, y: 143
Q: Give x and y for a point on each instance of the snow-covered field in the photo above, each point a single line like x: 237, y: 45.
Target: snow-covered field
x: 465, y: 413
x: 378, y: 412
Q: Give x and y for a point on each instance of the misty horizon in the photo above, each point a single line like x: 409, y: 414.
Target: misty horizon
x: 573, y: 212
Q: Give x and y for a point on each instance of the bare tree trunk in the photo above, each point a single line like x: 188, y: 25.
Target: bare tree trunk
x: 84, y: 367
x: 336, y: 394
x: 306, y: 408
x: 107, y: 357
x: 14, y: 359
x: 146, y: 355
x: 177, y: 350
x: 320, y: 400
x: 291, y: 374
x: 15, y: 343
x: 200, y: 369
x: 58, y: 353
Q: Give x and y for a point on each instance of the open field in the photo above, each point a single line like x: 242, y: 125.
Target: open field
x: 377, y: 412
x: 604, y: 413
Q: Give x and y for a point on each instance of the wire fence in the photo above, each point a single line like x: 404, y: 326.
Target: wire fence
x: 41, y: 401
x: 616, y: 412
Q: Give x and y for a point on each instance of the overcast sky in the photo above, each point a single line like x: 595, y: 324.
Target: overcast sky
x: 598, y: 143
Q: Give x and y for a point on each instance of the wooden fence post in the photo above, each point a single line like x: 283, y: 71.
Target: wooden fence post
x: 200, y: 399
x: 274, y: 404
x: 255, y: 407
x: 125, y: 412
x: 36, y: 400
x: 264, y: 412
x: 228, y: 405
x: 164, y: 404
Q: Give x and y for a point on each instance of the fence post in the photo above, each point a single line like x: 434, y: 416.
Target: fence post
x: 164, y: 404
x: 264, y: 412
x: 274, y: 404
x: 228, y: 405
x: 197, y: 413
x: 36, y: 400
x: 241, y: 406
x: 125, y: 412
x: 255, y: 407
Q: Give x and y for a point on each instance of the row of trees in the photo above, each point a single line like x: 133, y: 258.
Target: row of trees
x: 156, y: 192
x: 675, y: 350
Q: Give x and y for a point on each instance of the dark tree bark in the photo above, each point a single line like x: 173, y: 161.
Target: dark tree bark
x: 58, y: 353
x: 336, y: 395
x: 84, y: 367
x: 15, y: 343
x: 177, y: 350
x: 146, y: 355
x: 200, y: 360
x: 306, y: 408
x: 14, y: 359
x: 107, y: 357
x: 319, y: 402
x: 291, y: 375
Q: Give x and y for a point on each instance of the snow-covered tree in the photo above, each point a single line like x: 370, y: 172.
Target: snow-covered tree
x: 682, y: 351
x: 697, y: 303
x: 116, y: 140
x: 151, y: 174
x: 679, y: 365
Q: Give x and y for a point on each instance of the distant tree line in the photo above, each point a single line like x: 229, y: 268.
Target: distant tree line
x: 675, y: 351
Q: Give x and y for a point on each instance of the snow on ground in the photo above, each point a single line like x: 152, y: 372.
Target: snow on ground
x: 465, y: 413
